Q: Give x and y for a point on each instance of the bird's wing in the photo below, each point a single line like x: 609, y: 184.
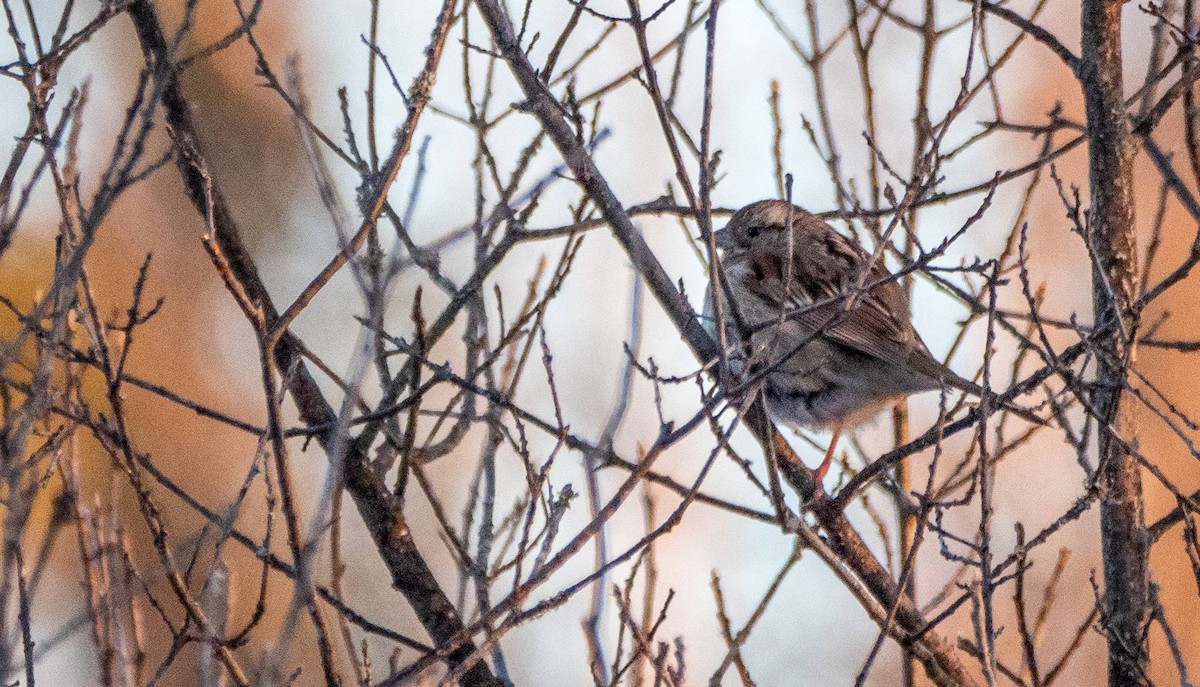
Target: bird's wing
x: 824, y: 271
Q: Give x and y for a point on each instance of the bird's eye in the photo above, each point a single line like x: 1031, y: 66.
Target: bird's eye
x: 752, y: 232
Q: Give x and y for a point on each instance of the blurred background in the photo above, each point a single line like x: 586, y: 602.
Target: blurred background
x: 812, y: 632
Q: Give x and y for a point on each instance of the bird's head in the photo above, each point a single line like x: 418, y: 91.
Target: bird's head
x: 761, y: 223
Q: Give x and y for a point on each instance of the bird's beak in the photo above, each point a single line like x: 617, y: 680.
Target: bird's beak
x: 723, y: 238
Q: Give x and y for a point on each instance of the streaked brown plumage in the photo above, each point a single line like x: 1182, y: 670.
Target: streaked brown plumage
x: 831, y: 364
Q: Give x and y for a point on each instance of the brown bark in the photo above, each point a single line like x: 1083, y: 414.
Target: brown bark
x: 908, y: 626
x: 1113, y: 243
x: 382, y: 513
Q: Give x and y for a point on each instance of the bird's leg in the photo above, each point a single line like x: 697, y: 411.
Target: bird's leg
x: 823, y: 468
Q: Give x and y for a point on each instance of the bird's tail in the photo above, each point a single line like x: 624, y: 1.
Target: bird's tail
x: 928, y: 365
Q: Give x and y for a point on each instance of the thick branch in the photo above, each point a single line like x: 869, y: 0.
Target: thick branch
x: 936, y: 654
x: 381, y: 512
x: 1113, y: 243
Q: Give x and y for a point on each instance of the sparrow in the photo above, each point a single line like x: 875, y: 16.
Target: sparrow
x: 829, y: 327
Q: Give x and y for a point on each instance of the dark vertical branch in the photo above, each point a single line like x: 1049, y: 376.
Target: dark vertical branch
x: 1114, y: 283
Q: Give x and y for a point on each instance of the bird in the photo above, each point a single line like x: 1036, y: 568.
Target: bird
x: 829, y: 327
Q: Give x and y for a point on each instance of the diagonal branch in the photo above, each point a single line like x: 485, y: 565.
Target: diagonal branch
x: 937, y: 655
x: 381, y: 511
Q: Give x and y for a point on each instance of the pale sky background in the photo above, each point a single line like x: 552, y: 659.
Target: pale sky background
x: 813, y: 633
